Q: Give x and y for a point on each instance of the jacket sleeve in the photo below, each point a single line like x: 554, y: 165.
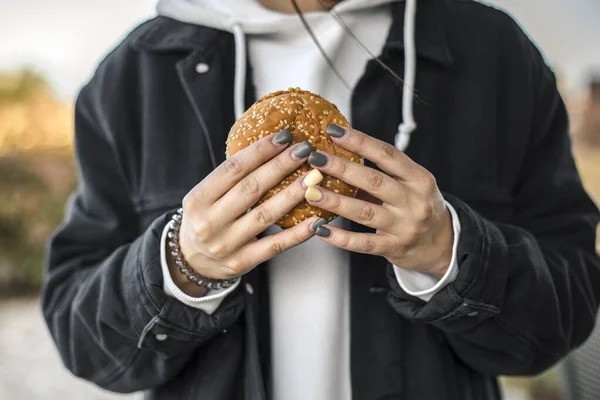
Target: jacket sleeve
x: 103, y: 298
x: 526, y: 293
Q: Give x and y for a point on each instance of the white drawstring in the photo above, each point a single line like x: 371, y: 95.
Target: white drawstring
x: 239, y: 88
x: 404, y: 129
x: 408, y: 124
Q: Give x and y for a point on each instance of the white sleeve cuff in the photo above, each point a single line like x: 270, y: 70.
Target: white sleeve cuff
x: 425, y: 286
x: 208, y: 303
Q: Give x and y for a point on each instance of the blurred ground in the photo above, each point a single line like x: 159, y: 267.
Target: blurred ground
x: 30, y: 368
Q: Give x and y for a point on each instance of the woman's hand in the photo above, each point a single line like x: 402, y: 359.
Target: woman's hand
x: 218, y: 235
x: 414, y: 227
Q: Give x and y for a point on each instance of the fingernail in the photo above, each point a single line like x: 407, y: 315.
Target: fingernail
x: 323, y: 231
x: 302, y: 150
x: 335, y: 130
x: 313, y: 194
x: 317, y: 159
x: 313, y: 178
x: 283, y: 137
x: 318, y: 223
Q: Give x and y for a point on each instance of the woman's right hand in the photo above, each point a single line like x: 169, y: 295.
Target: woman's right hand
x: 218, y: 235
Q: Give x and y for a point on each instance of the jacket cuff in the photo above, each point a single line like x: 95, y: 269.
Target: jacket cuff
x: 162, y: 323
x: 207, y: 303
x: 476, y: 293
x: 425, y: 286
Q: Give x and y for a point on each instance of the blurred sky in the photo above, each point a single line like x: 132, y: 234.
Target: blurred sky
x: 65, y: 38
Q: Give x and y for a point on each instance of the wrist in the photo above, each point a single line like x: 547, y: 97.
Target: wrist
x: 179, y: 263
x: 182, y: 282
x: 444, y: 245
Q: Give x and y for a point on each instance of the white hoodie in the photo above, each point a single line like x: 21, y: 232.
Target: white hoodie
x: 309, y: 283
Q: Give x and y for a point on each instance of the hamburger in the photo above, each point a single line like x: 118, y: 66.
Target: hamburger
x: 306, y: 115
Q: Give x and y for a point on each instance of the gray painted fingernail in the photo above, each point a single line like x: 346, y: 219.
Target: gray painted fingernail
x: 317, y: 159
x: 323, y: 231
x: 335, y: 130
x: 283, y: 137
x: 315, y: 225
x: 302, y: 150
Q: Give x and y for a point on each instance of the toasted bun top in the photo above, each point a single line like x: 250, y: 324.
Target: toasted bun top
x: 306, y: 115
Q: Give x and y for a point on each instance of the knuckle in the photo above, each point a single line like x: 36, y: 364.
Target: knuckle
x: 412, y: 234
x: 428, y: 180
x: 375, y: 180
x: 218, y: 249
x: 276, y: 248
x: 361, y: 140
x: 344, y: 241
x: 250, y: 185
x: 186, y: 202
x: 424, y: 210
x: 398, y: 248
x: 279, y: 166
x: 290, y: 196
x: 388, y: 151
x: 342, y: 167
x: 368, y: 246
x: 263, y: 216
x: 335, y: 202
x: 296, y: 238
x: 259, y: 148
x: 233, y: 166
x: 367, y: 213
x: 202, y: 230
x: 231, y: 270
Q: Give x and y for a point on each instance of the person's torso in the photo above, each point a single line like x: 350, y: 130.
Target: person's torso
x: 473, y: 129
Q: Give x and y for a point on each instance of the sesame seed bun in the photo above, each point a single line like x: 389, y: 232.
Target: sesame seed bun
x: 306, y: 115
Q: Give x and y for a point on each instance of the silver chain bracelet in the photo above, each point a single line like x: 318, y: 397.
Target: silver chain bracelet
x: 184, y: 268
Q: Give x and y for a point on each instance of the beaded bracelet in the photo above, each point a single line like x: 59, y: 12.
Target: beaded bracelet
x: 184, y: 268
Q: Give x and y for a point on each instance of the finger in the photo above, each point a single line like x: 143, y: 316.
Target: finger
x: 260, y: 218
x: 360, y: 211
x: 252, y: 187
x: 236, y: 167
x: 370, y: 180
x: 268, y: 247
x: 384, y: 155
x: 358, y: 242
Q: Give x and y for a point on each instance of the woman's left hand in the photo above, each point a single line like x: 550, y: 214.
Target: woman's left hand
x: 414, y: 226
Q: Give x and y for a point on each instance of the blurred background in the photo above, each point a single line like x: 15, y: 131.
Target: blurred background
x: 48, y: 49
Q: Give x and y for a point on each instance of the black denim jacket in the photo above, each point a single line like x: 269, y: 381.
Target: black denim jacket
x: 493, y: 130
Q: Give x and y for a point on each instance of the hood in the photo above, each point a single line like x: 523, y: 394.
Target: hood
x: 249, y: 17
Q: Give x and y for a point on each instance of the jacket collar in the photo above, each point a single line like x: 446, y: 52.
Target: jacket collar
x: 166, y: 34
